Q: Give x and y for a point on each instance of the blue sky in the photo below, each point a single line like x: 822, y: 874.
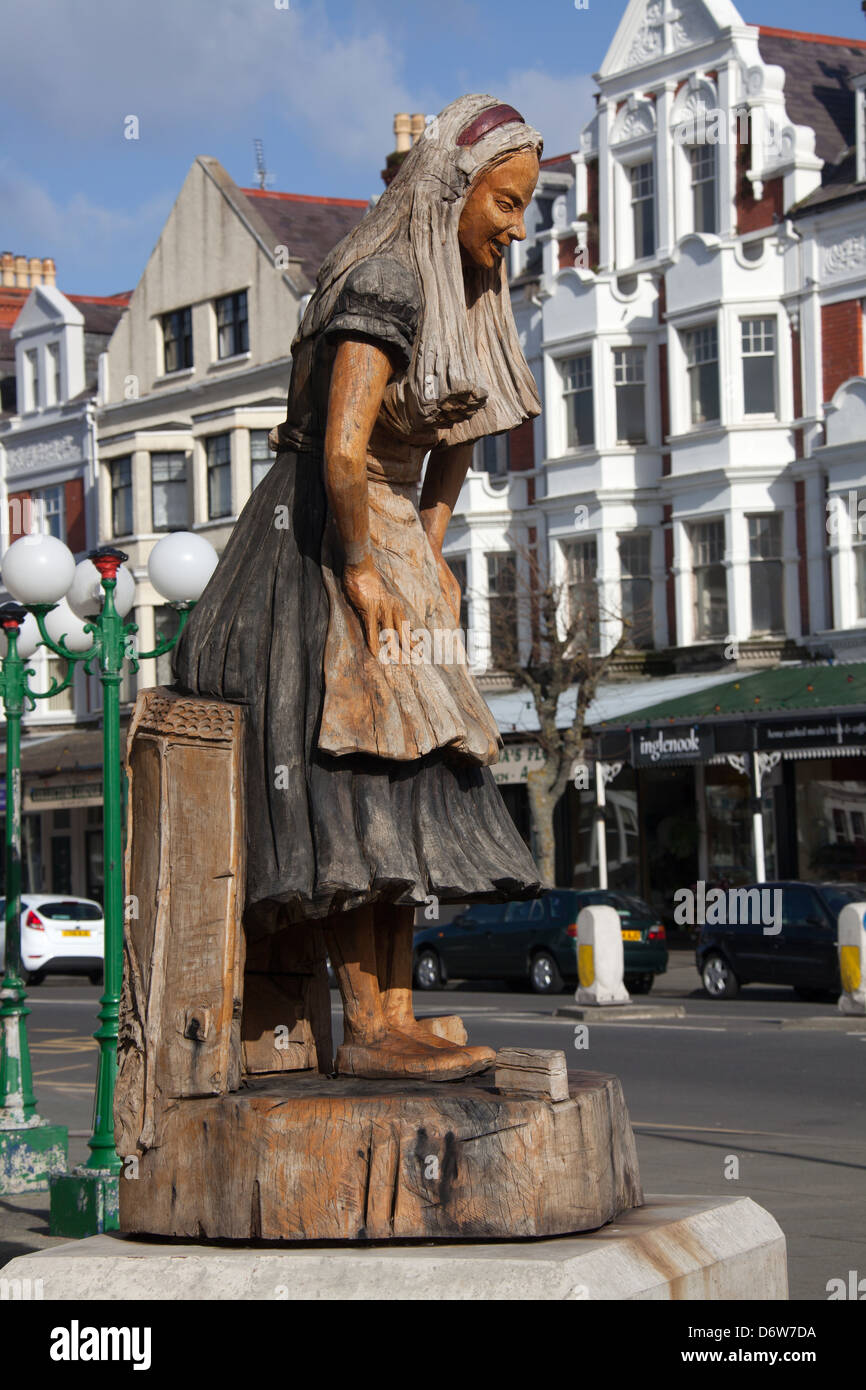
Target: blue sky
x: 319, y: 81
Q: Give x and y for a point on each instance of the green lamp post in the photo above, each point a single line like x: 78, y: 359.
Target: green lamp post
x: 85, y: 1200
x: 31, y: 1149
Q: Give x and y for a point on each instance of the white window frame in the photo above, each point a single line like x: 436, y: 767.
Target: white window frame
x: 759, y: 318
x: 694, y: 526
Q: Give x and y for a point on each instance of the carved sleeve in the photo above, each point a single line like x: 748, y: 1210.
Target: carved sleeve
x: 380, y: 300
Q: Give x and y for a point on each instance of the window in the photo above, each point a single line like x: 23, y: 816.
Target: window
x: 702, y: 356
x: 457, y: 566
x: 261, y: 458
x: 219, y: 475
x: 582, y: 592
x: 176, y: 340
x: 643, y: 207
x: 232, y: 325
x: 494, y: 455
x: 577, y: 392
x: 759, y: 366
x: 53, y: 383
x: 636, y: 588
x: 711, y: 587
x: 32, y: 360
x: 766, y: 573
x: 702, y: 159
x: 121, y: 496
x: 502, y: 592
x: 49, y: 505
x: 858, y: 542
x: 630, y: 383
x: 168, y: 491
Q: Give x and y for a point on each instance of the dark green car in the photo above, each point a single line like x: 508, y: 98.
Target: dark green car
x: 535, y: 943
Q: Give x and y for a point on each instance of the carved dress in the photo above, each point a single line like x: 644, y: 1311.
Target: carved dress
x: 367, y: 779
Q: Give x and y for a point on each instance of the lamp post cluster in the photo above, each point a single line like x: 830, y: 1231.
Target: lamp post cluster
x: 78, y: 613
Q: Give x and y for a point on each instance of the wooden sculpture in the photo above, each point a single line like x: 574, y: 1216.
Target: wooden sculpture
x: 335, y: 785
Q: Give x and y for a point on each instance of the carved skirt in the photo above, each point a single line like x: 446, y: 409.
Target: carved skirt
x: 329, y: 831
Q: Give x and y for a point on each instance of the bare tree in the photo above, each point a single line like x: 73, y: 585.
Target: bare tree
x: 545, y: 636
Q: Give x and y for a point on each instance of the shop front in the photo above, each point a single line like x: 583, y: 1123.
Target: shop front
x: 759, y: 779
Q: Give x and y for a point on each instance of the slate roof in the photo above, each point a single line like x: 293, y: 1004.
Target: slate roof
x: 308, y: 226
x: 818, y: 71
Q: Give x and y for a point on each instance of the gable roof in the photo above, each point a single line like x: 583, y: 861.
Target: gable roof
x: 818, y: 93
x: 307, y: 225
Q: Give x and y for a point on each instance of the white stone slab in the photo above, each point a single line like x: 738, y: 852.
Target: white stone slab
x: 703, y: 1248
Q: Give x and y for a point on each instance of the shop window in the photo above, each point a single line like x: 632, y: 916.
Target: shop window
x: 636, y: 588
x: 702, y: 161
x: 121, y: 496
x: 766, y: 573
x: 168, y: 491
x: 578, y: 397
x: 710, y: 579
x: 643, y: 208
x: 759, y: 366
x: 702, y: 358
x: 177, y: 341
x: 502, y: 601
x: 219, y: 475
x: 261, y: 457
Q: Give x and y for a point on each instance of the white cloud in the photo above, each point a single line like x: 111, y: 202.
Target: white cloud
x: 557, y: 106
x: 79, y: 233
x: 190, y: 67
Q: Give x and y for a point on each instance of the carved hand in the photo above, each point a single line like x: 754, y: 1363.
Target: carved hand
x: 377, y: 608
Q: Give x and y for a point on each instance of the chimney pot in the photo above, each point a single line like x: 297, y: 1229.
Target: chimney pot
x: 21, y: 272
x: 7, y: 268
x: 49, y: 271
x: 402, y: 132
x: 35, y: 269
x: 417, y: 126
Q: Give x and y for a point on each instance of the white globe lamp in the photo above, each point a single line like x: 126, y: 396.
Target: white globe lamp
x: 86, y: 594
x: 180, y: 566
x: 37, y: 569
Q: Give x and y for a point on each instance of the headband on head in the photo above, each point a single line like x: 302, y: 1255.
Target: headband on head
x: 488, y: 120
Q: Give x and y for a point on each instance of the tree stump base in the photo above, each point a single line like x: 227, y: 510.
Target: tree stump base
x: 305, y: 1157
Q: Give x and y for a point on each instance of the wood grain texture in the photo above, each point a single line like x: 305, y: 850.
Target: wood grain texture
x: 302, y: 1157
x: 532, y: 1071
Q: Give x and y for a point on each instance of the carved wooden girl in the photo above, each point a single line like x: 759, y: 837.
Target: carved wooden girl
x: 368, y: 774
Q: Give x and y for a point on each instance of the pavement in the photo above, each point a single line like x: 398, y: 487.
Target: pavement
x: 759, y: 1096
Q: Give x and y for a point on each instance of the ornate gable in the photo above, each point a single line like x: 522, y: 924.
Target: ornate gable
x: 654, y: 29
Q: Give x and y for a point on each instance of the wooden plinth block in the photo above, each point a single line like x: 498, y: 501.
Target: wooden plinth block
x: 305, y: 1157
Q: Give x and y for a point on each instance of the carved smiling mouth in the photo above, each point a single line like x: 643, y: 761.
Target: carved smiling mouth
x: 497, y: 248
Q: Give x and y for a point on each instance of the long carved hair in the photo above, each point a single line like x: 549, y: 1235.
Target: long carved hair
x: 468, y: 375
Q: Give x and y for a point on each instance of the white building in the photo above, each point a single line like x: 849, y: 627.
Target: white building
x: 691, y: 299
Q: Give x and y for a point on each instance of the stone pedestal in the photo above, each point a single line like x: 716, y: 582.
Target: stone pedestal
x: 702, y: 1248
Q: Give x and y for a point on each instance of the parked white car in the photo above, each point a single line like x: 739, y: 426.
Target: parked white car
x: 60, y: 935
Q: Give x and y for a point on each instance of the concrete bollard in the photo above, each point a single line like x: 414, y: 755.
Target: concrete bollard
x: 600, y: 957
x: 852, y: 958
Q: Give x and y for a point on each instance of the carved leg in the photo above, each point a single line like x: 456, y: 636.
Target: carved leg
x: 394, y: 932
x: 373, y: 1047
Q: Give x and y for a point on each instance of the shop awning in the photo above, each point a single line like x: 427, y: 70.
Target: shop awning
x: 515, y: 712
x: 798, y: 711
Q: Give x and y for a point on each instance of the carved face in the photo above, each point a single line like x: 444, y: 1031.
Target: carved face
x: 493, y: 214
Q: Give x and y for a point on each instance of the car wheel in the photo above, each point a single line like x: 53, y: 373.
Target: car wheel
x: 720, y: 982
x: 428, y: 972
x: 639, y: 984
x: 33, y: 977
x: 544, y: 976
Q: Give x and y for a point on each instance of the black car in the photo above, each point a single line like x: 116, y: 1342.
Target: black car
x: 534, y: 942
x: 801, y: 953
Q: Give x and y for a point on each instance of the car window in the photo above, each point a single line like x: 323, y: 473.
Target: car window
x: 483, y: 913
x: 70, y: 911
x: 798, y: 903
x: 837, y: 896
x: 560, y: 906
x: 518, y: 912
